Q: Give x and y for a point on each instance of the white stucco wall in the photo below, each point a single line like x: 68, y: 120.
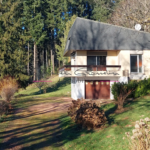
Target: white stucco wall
x: 81, y: 58
x: 111, y: 95
x: 78, y: 88
x: 146, y: 63
x: 112, y: 58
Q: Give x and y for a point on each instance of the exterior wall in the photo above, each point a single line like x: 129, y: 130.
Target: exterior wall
x: 121, y: 57
x: 77, y: 88
x: 146, y: 63
x: 112, y: 58
x: 81, y: 58
x: 124, y: 60
x: 73, y: 61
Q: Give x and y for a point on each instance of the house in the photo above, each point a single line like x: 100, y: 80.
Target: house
x: 102, y: 54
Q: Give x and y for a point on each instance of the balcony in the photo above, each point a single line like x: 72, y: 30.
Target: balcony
x: 90, y: 71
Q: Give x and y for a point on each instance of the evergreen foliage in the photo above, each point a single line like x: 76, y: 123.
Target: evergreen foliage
x: 12, y: 47
x: 122, y: 90
x: 39, y: 27
x: 60, y: 48
x: 103, y: 9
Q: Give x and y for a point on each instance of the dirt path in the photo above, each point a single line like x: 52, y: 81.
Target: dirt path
x: 36, y: 127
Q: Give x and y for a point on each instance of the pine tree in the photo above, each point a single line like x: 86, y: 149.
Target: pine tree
x: 34, y: 22
x: 12, y: 47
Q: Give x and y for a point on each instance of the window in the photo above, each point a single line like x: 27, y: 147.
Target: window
x: 136, y: 63
x: 96, y: 60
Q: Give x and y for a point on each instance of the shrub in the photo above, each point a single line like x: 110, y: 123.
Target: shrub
x: 87, y: 114
x: 143, y: 88
x: 8, y: 87
x: 140, y: 138
x: 4, y: 106
x: 122, y: 90
x: 43, y: 85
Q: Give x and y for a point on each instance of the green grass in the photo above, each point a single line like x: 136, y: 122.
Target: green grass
x: 111, y: 137
x: 59, y: 87
x: 55, y: 130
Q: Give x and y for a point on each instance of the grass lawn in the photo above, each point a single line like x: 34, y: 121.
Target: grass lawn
x: 59, y: 87
x: 36, y: 124
x: 111, y: 137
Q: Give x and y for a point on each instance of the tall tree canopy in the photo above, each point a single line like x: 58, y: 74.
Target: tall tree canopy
x: 12, y: 47
x: 132, y: 12
x: 33, y: 33
x: 102, y: 9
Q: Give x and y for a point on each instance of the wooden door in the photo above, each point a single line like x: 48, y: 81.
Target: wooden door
x: 97, y: 89
x: 104, y: 90
x: 89, y: 90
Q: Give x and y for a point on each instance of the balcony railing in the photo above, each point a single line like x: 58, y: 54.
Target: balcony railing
x: 90, y: 70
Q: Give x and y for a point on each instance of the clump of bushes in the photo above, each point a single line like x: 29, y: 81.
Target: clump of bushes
x: 87, y: 114
x: 140, y: 138
x: 133, y: 89
x: 8, y: 87
x: 142, y: 89
x: 121, y: 91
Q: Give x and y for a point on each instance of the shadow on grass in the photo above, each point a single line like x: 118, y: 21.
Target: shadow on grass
x: 110, y: 109
x: 54, y: 87
x: 53, y: 133
x: 57, y: 132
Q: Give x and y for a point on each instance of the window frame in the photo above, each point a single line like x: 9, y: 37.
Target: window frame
x: 138, y: 68
x: 96, y: 59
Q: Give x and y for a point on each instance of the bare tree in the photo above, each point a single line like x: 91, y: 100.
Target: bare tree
x: 131, y: 12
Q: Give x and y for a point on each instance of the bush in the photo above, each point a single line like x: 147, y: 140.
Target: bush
x: 122, y: 90
x: 8, y: 87
x: 140, y: 138
x: 143, y: 88
x: 87, y: 114
x: 4, y: 106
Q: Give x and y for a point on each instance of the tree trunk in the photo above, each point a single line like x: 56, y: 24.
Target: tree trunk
x: 35, y: 62
x: 51, y: 63
x: 28, y: 59
x: 120, y: 103
x: 46, y: 60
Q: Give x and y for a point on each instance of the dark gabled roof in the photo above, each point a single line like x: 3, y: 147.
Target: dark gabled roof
x: 92, y: 35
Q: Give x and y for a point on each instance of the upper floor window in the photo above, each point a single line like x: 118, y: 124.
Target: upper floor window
x: 96, y: 60
x: 136, y: 63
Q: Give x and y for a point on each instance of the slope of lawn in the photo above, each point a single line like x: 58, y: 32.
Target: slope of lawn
x: 38, y: 129
x: 58, y: 87
x: 111, y: 137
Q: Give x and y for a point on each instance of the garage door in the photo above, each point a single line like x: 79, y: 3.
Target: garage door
x: 97, y: 89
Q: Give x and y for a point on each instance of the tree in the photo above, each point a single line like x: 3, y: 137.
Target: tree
x: 60, y: 48
x: 13, y: 60
x: 102, y: 9
x: 34, y: 23
x: 121, y: 91
x: 132, y: 12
